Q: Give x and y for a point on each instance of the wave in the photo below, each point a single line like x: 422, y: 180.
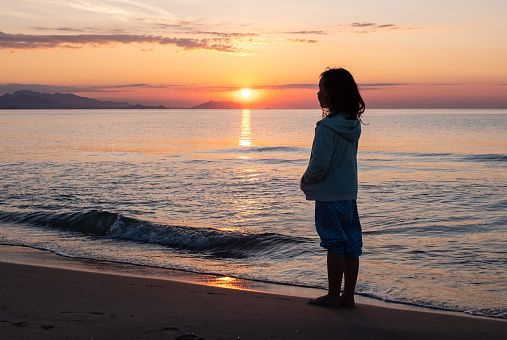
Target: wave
x: 265, y: 149
x: 444, y: 157
x: 498, y: 313
x: 486, y: 158
x: 497, y: 158
x: 209, y: 241
x: 274, y: 149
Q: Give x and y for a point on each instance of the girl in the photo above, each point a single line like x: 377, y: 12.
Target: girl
x: 331, y: 181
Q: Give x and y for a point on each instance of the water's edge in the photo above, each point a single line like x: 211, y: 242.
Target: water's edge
x: 26, y: 255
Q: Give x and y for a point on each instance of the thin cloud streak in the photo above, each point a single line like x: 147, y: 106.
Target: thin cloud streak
x: 307, y: 32
x: 9, y: 88
x: 365, y: 86
x: 221, y: 42
x: 13, y: 87
x: 26, y: 42
x: 371, y: 27
x: 119, y: 8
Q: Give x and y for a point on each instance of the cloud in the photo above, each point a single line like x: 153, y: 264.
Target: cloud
x: 233, y: 43
x: 27, y: 42
x: 371, y: 27
x: 13, y: 87
x: 302, y: 41
x: 376, y: 86
x: 64, y: 29
x: 306, y: 32
x: 225, y: 34
x: 362, y: 24
x: 368, y: 27
x: 365, y: 86
x: 122, y: 9
x: 256, y: 38
x: 289, y: 86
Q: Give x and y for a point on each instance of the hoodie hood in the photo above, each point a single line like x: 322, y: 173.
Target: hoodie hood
x: 347, y: 128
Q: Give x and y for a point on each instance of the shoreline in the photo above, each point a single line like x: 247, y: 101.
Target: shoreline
x: 25, y: 255
x: 45, y: 302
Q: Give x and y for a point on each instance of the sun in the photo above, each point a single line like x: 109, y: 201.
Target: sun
x: 246, y: 92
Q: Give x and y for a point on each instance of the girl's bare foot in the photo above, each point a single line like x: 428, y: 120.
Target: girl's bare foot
x: 326, y: 301
x: 347, y: 301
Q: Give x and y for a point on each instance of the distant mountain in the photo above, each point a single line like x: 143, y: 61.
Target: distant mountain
x: 139, y: 106
x: 26, y: 99
x: 218, y: 105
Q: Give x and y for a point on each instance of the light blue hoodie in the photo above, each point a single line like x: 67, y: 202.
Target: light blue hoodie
x: 332, y: 171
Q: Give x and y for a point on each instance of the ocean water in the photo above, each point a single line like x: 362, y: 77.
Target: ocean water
x: 217, y: 192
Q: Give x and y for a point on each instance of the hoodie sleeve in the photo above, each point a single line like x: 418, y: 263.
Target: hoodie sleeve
x: 322, y: 152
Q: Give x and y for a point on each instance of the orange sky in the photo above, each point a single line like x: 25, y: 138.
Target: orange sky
x: 180, y: 54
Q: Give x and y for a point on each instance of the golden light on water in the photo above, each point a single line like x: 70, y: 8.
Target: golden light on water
x: 245, y: 140
x: 228, y: 282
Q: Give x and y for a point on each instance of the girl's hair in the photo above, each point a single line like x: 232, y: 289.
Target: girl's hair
x: 341, y: 93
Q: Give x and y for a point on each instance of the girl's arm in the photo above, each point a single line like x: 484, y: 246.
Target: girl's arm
x: 322, y: 153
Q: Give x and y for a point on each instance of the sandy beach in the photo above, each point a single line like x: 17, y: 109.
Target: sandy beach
x: 39, y: 302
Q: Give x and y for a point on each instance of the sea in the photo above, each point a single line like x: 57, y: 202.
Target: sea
x: 216, y: 193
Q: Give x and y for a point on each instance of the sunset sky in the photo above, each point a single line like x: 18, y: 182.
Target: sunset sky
x: 181, y: 53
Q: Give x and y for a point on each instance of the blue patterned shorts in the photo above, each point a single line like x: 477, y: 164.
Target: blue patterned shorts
x: 338, y: 226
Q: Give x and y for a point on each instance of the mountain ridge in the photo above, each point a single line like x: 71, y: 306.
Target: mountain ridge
x: 27, y: 99
x: 218, y: 105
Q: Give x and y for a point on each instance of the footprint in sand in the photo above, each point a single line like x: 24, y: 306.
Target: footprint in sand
x: 170, y: 329
x: 188, y: 336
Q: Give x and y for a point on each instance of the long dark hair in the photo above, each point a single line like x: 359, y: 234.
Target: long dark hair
x: 341, y: 94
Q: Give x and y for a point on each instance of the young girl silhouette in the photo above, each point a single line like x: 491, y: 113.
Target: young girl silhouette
x: 331, y: 181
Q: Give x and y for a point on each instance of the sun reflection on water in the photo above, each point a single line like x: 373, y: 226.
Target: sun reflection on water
x: 245, y: 139
x: 229, y: 282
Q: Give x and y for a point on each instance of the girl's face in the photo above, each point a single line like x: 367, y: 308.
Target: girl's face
x: 320, y: 94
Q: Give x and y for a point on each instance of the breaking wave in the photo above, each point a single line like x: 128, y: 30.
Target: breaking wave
x: 209, y: 241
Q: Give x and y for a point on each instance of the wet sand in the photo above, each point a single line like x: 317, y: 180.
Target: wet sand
x: 40, y: 302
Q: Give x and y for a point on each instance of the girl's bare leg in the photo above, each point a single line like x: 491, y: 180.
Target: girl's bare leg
x: 350, y: 272
x: 335, y: 269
